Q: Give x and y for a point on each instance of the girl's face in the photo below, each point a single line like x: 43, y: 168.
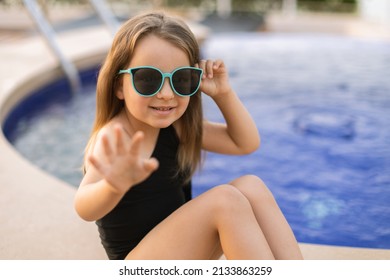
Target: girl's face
x: 164, y: 108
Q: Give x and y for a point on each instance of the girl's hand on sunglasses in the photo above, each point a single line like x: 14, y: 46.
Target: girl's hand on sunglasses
x: 215, y: 80
x: 123, y: 166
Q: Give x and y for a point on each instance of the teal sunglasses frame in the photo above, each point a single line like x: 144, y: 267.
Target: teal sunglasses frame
x: 164, y: 76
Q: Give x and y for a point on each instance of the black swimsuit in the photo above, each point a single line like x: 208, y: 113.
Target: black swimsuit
x: 146, y: 204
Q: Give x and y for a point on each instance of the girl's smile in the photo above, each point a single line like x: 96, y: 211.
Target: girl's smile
x: 163, y: 110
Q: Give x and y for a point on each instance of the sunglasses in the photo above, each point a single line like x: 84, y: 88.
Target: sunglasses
x: 148, y: 80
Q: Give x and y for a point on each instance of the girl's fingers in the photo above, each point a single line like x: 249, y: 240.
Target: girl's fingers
x: 209, y: 68
x: 106, y: 146
x: 217, y: 64
x: 95, y: 163
x: 120, y: 146
x: 202, y: 64
x: 136, y: 143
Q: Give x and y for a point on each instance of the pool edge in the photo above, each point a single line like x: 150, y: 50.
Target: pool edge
x: 39, y: 222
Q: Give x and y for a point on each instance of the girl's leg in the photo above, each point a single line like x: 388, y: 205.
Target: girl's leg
x: 222, y: 215
x: 270, y: 218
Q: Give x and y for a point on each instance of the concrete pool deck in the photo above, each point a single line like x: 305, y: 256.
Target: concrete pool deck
x: 37, y: 217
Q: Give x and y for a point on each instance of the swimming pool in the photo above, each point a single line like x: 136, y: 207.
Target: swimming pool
x: 321, y: 104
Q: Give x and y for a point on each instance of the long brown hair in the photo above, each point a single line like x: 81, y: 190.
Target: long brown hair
x: 108, y: 105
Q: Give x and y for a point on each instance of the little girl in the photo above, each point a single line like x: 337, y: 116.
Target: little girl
x: 146, y: 144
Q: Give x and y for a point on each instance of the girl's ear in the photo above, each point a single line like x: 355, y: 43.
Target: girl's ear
x: 119, y: 89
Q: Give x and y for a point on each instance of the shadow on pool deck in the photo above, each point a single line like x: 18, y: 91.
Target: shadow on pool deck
x: 37, y: 217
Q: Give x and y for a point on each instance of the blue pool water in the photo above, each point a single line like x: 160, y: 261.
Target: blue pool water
x: 321, y: 104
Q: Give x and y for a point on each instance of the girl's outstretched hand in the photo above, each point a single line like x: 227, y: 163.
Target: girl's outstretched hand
x: 123, y: 166
x: 215, y: 80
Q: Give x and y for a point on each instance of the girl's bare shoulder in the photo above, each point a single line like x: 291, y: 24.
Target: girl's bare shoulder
x: 108, y: 131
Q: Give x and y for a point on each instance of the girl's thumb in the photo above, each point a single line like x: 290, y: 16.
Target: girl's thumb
x: 151, y: 164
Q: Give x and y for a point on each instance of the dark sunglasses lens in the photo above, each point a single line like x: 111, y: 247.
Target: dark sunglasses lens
x: 186, y: 81
x: 147, y: 81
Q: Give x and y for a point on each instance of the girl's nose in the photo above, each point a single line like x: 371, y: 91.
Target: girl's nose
x: 166, y: 91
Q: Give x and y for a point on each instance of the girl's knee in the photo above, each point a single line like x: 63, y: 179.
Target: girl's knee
x: 253, y: 187
x: 227, y: 198
x: 252, y: 180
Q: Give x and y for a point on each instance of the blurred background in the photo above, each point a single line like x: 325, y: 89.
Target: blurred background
x: 313, y: 73
x: 275, y: 15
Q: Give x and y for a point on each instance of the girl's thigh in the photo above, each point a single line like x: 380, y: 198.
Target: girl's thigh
x: 188, y: 233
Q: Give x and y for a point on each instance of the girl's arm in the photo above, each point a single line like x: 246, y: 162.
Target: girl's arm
x: 115, y: 166
x: 239, y: 135
x: 93, y: 201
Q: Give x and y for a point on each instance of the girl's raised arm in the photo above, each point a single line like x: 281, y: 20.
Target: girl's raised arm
x: 239, y: 135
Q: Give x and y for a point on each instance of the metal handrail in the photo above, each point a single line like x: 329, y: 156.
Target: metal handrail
x: 49, y: 34
x: 105, y: 14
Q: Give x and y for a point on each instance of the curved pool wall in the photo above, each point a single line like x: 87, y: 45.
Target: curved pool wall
x: 61, y: 156
x: 42, y: 205
x: 56, y: 93
x: 37, y: 217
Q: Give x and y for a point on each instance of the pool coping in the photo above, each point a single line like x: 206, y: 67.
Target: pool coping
x: 39, y: 222
x: 37, y: 217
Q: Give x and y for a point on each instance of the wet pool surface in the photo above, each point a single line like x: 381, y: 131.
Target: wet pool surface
x: 321, y: 104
